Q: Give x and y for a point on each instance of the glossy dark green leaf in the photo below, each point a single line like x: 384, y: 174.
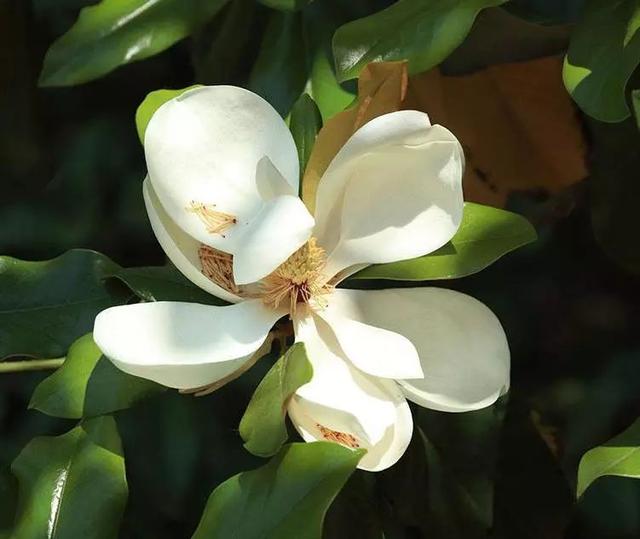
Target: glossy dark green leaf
x: 288, y: 497
x: 424, y: 33
x: 263, y: 426
x: 533, y: 499
x: 615, y: 190
x: 635, y: 98
x: 305, y: 122
x: 72, y: 485
x: 116, y: 32
x: 286, y: 5
x: 461, y: 454
x: 320, y: 21
x: 151, y: 103
x: 604, y: 52
x: 45, y: 306
x: 280, y: 72
x: 88, y: 384
x: 8, y: 499
x: 164, y: 283
x: 485, y: 235
x: 620, y: 457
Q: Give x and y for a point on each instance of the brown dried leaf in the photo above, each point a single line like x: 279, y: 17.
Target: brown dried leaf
x: 518, y: 126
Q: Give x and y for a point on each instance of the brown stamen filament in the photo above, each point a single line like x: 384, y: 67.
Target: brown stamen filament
x: 342, y: 438
x: 217, y: 266
x: 216, y: 222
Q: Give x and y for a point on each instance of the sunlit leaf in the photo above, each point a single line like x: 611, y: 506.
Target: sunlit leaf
x: 72, y: 485
x: 425, y: 33
x: 45, y: 306
x: 116, y: 32
x: 620, y: 456
x: 288, y: 497
x: 485, y: 235
x: 151, y: 104
x: 604, y: 52
x: 305, y: 122
x: 263, y: 427
x: 88, y: 384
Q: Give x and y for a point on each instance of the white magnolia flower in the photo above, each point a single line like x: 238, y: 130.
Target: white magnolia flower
x: 222, y: 197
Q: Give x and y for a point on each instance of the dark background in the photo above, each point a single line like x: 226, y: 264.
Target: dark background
x: 71, y: 169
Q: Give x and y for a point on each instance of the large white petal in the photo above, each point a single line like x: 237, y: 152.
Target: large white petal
x: 342, y: 403
x: 182, y: 345
x: 374, y: 350
x: 206, y: 146
x: 462, y: 346
x: 393, y: 192
x: 282, y: 226
x: 181, y: 248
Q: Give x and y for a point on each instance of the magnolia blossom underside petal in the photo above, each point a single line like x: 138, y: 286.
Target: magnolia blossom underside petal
x: 182, y: 345
x: 373, y: 350
x: 344, y: 405
x: 182, y: 249
x: 205, y: 154
x: 396, y: 200
x: 462, y: 346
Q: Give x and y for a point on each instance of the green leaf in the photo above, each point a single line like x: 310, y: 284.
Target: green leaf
x: 88, y: 384
x: 116, y: 32
x: 532, y: 497
x: 320, y: 21
x: 603, y: 53
x: 288, y: 497
x: 461, y: 454
x: 305, y: 122
x: 280, y: 71
x: 286, y: 5
x: 72, y: 485
x: 620, y: 456
x: 151, y: 104
x: 263, y: 426
x: 635, y: 99
x: 45, y: 306
x: 164, y: 283
x: 8, y: 495
x: 485, y: 235
x: 424, y: 33
x: 615, y: 190
x: 325, y: 88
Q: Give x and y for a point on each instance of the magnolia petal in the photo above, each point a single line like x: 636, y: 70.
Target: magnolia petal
x: 182, y: 345
x: 395, y: 199
x: 270, y: 182
x: 205, y: 146
x: 462, y: 345
x: 282, y: 226
x: 374, y: 350
x: 345, y: 405
x: 181, y: 248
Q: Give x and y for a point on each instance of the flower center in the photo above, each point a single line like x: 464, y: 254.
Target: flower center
x: 299, y: 279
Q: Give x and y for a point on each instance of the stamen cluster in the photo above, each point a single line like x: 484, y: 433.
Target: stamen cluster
x: 299, y: 279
